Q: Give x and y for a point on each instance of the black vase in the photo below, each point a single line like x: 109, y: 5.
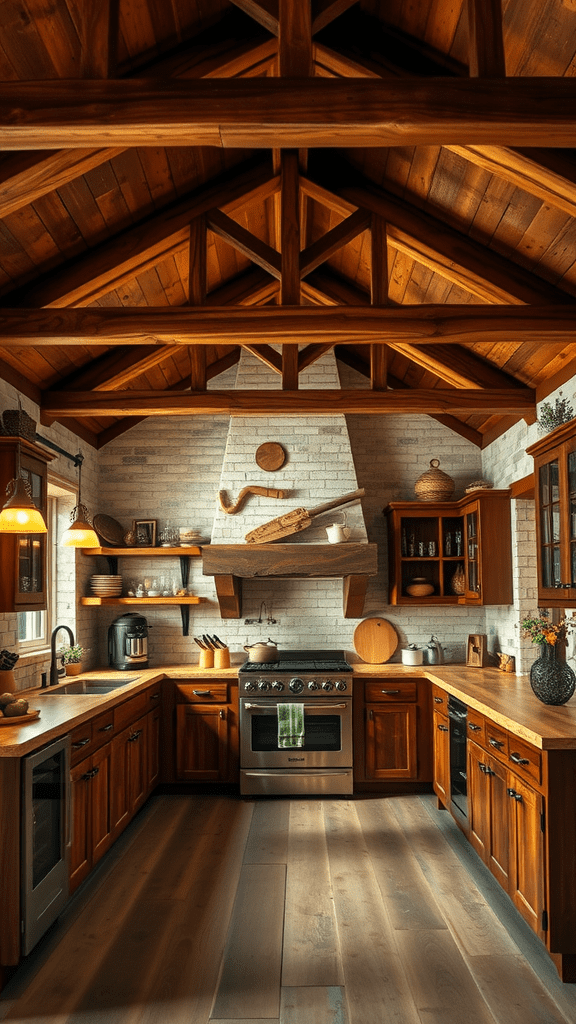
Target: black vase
x: 551, y: 679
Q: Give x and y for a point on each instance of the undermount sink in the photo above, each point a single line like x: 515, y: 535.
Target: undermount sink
x: 89, y: 686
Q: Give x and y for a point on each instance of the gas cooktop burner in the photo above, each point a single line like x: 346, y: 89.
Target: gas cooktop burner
x: 301, y: 661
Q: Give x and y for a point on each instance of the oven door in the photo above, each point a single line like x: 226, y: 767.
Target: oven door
x: 327, y: 735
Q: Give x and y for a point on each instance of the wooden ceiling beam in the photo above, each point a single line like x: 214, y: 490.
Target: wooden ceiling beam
x: 515, y: 401
x: 325, y: 11
x: 485, y: 39
x: 295, y: 113
x: 206, y: 325
x: 265, y: 12
x: 267, y: 355
x: 294, y: 39
x: 290, y: 228
x: 25, y: 177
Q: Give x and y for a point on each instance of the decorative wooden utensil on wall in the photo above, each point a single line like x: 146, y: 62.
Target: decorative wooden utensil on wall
x: 297, y: 520
x: 232, y: 507
x: 375, y: 640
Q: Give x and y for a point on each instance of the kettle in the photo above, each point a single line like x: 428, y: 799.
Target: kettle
x: 338, y: 532
x: 434, y: 652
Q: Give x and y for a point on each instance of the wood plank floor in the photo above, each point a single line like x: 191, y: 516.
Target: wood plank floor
x: 218, y: 910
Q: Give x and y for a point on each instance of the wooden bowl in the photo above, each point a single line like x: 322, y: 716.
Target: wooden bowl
x: 420, y: 588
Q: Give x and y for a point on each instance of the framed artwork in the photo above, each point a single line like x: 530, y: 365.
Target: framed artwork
x: 144, y: 532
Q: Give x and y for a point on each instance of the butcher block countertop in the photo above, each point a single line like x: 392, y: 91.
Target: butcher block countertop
x: 505, y: 698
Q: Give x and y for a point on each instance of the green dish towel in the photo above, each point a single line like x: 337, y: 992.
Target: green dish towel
x: 290, y: 725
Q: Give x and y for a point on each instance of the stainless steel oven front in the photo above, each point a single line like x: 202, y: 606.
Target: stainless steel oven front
x: 320, y: 762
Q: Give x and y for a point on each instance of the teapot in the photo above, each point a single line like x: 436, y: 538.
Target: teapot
x: 262, y: 651
x: 338, y: 532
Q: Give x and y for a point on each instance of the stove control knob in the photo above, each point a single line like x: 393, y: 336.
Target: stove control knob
x: 313, y: 685
x: 277, y: 685
x: 340, y: 684
x: 296, y: 685
x: 263, y: 684
x: 250, y: 685
x: 327, y: 685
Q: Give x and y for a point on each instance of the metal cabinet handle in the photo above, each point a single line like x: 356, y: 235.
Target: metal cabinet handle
x: 514, y: 795
x: 496, y: 743
x: 222, y: 713
x: 106, y: 728
x: 80, y: 743
x: 473, y: 727
x: 389, y: 691
x: 154, y: 696
x: 134, y: 736
x: 438, y: 700
x: 202, y: 693
x: 519, y: 760
x: 442, y: 728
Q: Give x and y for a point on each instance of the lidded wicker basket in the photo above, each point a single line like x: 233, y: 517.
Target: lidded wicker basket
x: 17, y: 423
x: 434, y: 484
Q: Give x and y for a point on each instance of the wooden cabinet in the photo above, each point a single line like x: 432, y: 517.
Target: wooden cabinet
x: 92, y: 832
x: 206, y: 732
x: 392, y: 735
x: 441, y: 755
x: 23, y: 584
x: 115, y: 764
x: 555, y: 493
x: 461, y: 548
x: 507, y: 831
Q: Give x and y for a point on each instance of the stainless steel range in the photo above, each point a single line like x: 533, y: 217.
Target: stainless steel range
x: 313, y: 689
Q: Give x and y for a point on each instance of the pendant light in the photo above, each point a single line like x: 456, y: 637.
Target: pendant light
x: 20, y: 514
x: 80, y: 533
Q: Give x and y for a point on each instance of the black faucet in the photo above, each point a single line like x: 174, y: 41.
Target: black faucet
x: 54, y: 671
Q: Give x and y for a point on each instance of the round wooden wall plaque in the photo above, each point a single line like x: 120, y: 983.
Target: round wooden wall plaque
x: 270, y: 456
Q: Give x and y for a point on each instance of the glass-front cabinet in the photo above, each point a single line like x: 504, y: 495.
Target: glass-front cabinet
x: 23, y: 556
x: 555, y: 495
x: 451, y: 552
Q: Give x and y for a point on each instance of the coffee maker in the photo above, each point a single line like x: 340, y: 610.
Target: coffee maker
x: 128, y: 642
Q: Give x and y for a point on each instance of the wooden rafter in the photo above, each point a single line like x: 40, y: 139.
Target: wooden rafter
x: 269, y: 112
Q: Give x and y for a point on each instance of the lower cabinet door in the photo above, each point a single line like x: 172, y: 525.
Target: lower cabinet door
x: 153, y: 721
x: 91, y: 813
x: 391, y: 749
x: 201, y: 742
x: 101, y: 810
x: 80, y: 858
x: 441, y: 748
x: 527, y: 870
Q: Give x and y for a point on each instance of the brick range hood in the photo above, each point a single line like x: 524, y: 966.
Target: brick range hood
x: 318, y: 468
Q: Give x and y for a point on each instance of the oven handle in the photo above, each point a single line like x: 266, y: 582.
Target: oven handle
x: 272, y: 708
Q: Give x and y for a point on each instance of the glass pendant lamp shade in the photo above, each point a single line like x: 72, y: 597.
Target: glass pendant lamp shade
x: 20, y: 514
x: 80, y: 533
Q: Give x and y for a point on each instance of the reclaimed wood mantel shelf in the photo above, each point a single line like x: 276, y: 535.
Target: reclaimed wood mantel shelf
x: 231, y: 563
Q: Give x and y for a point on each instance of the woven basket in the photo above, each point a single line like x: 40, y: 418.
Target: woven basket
x: 434, y: 485
x: 17, y: 423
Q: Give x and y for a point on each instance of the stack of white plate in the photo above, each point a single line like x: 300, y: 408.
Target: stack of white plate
x: 106, y: 586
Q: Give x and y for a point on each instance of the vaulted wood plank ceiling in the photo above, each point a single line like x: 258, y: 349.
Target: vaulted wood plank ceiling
x: 395, y: 180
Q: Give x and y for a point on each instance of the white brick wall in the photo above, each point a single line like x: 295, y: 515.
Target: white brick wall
x: 171, y: 468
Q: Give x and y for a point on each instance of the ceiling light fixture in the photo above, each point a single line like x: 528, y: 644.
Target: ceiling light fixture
x: 80, y: 533
x: 20, y: 514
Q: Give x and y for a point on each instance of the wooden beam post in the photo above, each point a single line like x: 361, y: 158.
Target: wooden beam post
x: 486, y: 56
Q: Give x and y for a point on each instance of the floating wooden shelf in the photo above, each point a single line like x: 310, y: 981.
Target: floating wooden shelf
x: 143, y: 552
x: 188, y: 599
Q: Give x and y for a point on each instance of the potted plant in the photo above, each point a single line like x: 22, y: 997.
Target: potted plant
x: 72, y: 658
x: 551, y: 679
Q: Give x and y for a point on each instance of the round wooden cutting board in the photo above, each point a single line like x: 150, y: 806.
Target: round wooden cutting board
x: 375, y: 640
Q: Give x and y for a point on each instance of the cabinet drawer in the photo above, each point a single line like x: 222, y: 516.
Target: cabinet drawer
x: 102, y: 728
x: 80, y: 742
x: 526, y: 760
x: 439, y: 699
x: 130, y: 710
x: 391, y: 690
x: 476, y: 726
x: 202, y: 693
x: 496, y: 739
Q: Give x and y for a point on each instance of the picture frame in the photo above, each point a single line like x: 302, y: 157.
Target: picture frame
x: 145, y: 532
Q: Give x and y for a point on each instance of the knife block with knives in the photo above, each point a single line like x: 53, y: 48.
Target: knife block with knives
x: 297, y: 520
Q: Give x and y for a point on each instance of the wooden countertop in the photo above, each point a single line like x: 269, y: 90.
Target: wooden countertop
x: 505, y: 698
